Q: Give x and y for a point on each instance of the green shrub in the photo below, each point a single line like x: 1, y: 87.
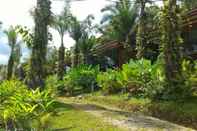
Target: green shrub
x: 137, y: 74
x: 190, y: 74
x: 54, y: 85
x: 143, y: 78
x: 109, y: 81
x: 81, y: 78
x: 193, y: 77
x: 19, y: 106
x: 138, y: 77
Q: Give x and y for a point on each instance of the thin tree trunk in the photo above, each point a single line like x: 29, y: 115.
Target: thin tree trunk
x: 141, y: 31
x: 61, y: 59
x: 10, y: 65
x: 75, y: 57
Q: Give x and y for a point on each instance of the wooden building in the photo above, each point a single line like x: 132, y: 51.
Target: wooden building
x: 117, y: 52
x: 190, y: 33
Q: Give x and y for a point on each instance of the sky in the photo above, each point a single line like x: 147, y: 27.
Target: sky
x: 16, y: 12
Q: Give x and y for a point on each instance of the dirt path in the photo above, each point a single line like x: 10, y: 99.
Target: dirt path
x: 126, y: 120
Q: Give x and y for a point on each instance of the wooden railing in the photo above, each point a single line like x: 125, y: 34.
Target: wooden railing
x: 190, y: 19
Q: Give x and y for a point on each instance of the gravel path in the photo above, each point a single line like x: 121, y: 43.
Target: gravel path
x: 127, y: 120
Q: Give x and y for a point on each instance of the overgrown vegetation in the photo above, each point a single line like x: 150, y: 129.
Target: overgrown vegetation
x: 152, y: 64
x: 81, y: 79
x: 21, y: 107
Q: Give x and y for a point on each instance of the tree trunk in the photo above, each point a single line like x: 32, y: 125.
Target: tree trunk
x: 171, y: 43
x: 61, y: 65
x: 40, y: 42
x: 9, y: 125
x: 75, y: 57
x: 10, y: 66
x: 141, y: 31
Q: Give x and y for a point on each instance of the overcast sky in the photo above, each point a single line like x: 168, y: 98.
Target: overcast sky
x: 16, y: 12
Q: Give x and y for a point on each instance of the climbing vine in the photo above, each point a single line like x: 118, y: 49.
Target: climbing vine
x: 170, y: 45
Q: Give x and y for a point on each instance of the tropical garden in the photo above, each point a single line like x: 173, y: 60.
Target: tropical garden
x: 66, y: 89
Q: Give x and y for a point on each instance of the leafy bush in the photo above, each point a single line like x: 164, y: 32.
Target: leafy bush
x: 19, y: 107
x: 54, y: 85
x: 109, y: 81
x: 189, y: 69
x: 139, y: 77
x: 193, y: 77
x: 137, y: 74
x: 81, y: 78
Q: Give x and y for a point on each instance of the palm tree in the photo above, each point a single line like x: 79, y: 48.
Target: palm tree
x: 61, y: 24
x: 12, y: 40
x: 76, y: 32
x: 86, y: 45
x: 42, y: 18
x: 120, y: 21
x: 82, y: 32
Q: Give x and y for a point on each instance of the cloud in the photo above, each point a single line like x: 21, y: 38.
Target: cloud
x: 3, y: 59
x: 4, y: 50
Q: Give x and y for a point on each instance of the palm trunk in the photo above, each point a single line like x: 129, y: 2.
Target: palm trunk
x: 10, y: 64
x: 75, y: 57
x: 61, y: 60
x: 141, y: 31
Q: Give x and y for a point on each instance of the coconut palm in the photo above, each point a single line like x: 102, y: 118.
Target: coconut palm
x: 15, y: 50
x: 61, y: 24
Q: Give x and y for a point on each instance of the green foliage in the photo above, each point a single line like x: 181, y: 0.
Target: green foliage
x: 189, y: 4
x: 15, y: 50
x: 137, y: 72
x: 82, y: 33
x: 193, y: 77
x: 26, y: 35
x: 138, y: 77
x: 189, y: 70
x: 20, y: 107
x: 171, y: 41
x: 54, y: 85
x: 109, y: 81
x: 119, y: 20
x: 81, y: 78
